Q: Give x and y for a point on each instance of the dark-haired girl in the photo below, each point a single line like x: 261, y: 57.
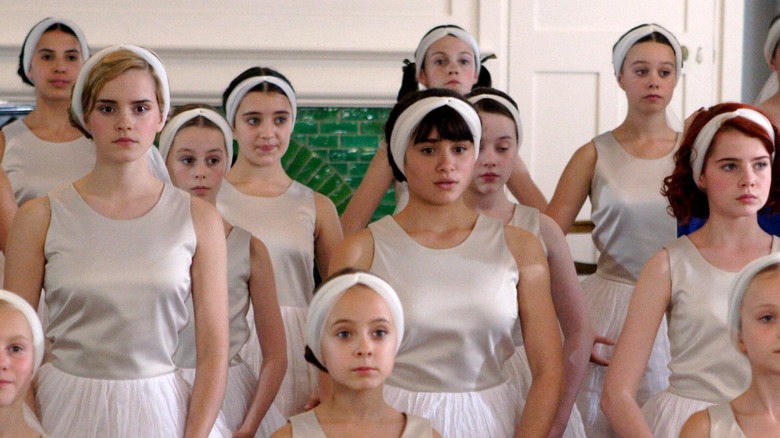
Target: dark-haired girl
x: 298, y: 226
x: 723, y: 171
x: 447, y: 57
x: 622, y: 172
x: 463, y: 279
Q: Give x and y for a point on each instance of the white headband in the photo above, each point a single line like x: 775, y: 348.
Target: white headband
x: 509, y: 107
x: 439, y: 33
x: 704, y: 139
x: 771, y: 85
x: 28, y: 49
x: 628, y: 40
x: 408, y: 120
x: 31, y: 316
x: 172, y: 128
x: 145, y: 54
x: 738, y: 288
x: 329, y: 294
x: 238, y: 93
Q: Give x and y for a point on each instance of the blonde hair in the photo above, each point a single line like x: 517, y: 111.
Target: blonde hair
x: 109, y: 68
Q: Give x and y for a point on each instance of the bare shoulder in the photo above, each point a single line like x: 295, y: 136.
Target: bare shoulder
x: 204, y: 214
x: 258, y: 249
x: 356, y: 251
x: 697, y: 426
x: 35, y: 212
x: 324, y: 205
x: 2, y: 145
x: 435, y: 434
x: 283, y: 432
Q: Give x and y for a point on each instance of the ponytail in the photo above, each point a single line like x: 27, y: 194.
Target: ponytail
x: 485, y: 80
x: 409, y: 80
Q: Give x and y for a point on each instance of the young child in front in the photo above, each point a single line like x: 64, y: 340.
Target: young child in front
x: 354, y: 328
x: 754, y: 309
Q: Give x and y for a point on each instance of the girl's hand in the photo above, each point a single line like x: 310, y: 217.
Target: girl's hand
x: 597, y: 358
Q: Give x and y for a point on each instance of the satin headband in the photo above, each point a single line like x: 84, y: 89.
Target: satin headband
x: 739, y: 287
x: 329, y: 294
x: 238, y: 93
x: 31, y: 316
x: 168, y: 133
x: 35, y: 34
x: 704, y: 139
x: 509, y: 107
x: 628, y: 40
x: 145, y: 54
x: 439, y: 33
x: 408, y: 120
x: 772, y: 38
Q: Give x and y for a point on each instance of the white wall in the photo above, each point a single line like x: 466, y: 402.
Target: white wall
x: 345, y: 52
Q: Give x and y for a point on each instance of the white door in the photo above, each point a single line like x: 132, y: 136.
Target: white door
x: 560, y: 74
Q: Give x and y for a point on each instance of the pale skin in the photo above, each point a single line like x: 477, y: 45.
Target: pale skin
x: 55, y: 65
x: 16, y: 370
x: 648, y: 78
x: 449, y: 63
x: 123, y: 122
x: 757, y: 409
x: 436, y: 217
x: 730, y: 239
x: 360, y: 332
x: 263, y: 126
x: 197, y: 162
x: 498, y: 151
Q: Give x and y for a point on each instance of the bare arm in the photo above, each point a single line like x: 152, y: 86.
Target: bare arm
x: 327, y: 232
x: 697, y: 426
x: 524, y: 188
x: 268, y: 320
x: 210, y: 302
x: 573, y: 187
x: 24, y: 256
x: 8, y: 208
x: 283, y: 432
x: 369, y: 193
x: 356, y: 251
x: 572, y: 315
x: 540, y: 334
x: 649, y: 301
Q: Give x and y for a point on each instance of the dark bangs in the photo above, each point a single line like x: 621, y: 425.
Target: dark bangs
x: 449, y: 124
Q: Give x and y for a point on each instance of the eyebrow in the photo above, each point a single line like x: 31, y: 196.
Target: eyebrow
x: 758, y: 158
x: 209, y: 151
x: 344, y: 320
x: 52, y: 51
x: 111, y: 101
x: 260, y: 113
x: 465, y: 52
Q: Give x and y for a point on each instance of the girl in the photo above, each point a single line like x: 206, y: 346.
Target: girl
x: 769, y: 98
x: 501, y: 137
x: 299, y: 227
x: 354, y: 329
x: 752, y: 318
x: 118, y: 252
x: 21, y: 354
x: 447, y: 57
x: 723, y: 172
x: 197, y: 145
x: 463, y: 279
x: 622, y: 172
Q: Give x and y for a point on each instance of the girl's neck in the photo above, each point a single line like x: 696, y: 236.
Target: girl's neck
x: 12, y: 424
x: 645, y: 125
x: 422, y: 216
x: 270, y: 180
x: 494, y: 204
x: 50, y: 119
x: 764, y: 391
x: 124, y: 179
x: 346, y: 405
x: 732, y: 232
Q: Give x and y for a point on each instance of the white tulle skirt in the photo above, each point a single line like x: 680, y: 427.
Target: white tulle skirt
x: 666, y: 413
x: 241, y: 385
x: 493, y: 412
x: 300, y: 384
x: 73, y: 406
x: 520, y: 375
x: 607, y: 302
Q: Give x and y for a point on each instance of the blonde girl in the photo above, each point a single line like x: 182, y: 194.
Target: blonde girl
x: 119, y: 253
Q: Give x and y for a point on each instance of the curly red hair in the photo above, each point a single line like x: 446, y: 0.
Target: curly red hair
x: 686, y: 199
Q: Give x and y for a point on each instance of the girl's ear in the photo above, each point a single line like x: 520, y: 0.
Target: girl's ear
x: 741, y: 344
x: 422, y: 79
